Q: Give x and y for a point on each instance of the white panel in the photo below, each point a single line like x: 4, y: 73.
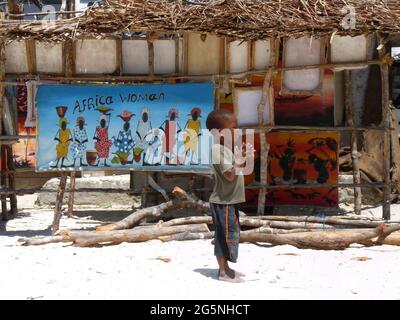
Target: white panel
x: 239, y: 55
x: 49, y: 57
x: 248, y: 100
x: 164, y: 56
x: 16, y: 59
x: 135, y: 57
x: 204, y: 56
x: 349, y: 49
x: 262, y: 54
x: 301, y: 52
x: 96, y: 56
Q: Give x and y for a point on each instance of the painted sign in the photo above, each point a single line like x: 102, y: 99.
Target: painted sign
x: 298, y: 158
x: 151, y: 127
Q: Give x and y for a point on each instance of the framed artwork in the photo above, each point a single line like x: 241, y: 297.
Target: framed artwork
x: 144, y: 127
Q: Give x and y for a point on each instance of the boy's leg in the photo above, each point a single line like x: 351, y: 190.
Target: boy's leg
x: 222, y: 251
x: 233, y: 236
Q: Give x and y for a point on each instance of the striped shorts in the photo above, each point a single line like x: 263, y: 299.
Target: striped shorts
x: 227, y: 230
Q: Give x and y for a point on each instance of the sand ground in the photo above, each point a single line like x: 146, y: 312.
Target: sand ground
x: 133, y: 271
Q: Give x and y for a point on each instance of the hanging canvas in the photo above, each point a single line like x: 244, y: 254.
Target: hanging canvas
x: 302, y: 52
x: 203, y: 54
x: 135, y: 57
x: 246, y: 101
x: 262, y: 54
x: 165, y: 56
x: 96, y: 56
x: 303, y: 158
x: 16, y: 57
x: 148, y: 127
x: 49, y: 57
x: 297, y: 158
x: 238, y: 56
x: 347, y: 49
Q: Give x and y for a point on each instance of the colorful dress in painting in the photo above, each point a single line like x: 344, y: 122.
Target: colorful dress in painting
x: 103, y: 143
x: 191, y: 137
x: 171, y: 129
x: 143, y: 129
x: 64, y: 139
x: 124, y: 142
x: 80, y: 141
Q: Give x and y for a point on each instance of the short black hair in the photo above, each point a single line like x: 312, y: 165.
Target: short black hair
x: 217, y: 119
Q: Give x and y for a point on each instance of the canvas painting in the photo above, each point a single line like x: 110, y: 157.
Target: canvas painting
x: 297, y: 158
x: 151, y: 127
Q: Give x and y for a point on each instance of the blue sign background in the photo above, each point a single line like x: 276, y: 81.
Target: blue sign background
x: 125, y: 148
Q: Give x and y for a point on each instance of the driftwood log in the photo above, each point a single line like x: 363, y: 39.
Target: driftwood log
x: 183, y: 200
x: 92, y: 238
x: 322, y: 240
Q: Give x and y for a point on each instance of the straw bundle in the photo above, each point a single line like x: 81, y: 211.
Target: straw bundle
x: 238, y: 19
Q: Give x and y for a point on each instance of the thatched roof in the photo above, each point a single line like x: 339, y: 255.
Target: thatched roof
x: 240, y: 19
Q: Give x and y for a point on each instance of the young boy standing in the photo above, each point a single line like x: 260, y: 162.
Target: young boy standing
x: 228, y: 191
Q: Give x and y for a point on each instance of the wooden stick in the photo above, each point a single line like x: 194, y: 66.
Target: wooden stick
x: 2, y: 148
x: 323, y: 240
x: 59, y: 203
x: 384, y: 67
x: 185, y: 236
x: 354, y: 145
x: 4, y: 183
x: 112, y: 78
x: 90, y: 238
x: 71, y: 194
x: 11, y: 181
x: 263, y: 143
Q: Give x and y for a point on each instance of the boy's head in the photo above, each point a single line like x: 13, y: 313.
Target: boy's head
x: 221, y: 119
x: 222, y: 123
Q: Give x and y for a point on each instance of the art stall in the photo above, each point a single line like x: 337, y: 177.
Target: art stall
x: 131, y: 92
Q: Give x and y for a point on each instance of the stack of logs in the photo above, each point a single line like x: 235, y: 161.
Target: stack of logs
x: 329, y: 233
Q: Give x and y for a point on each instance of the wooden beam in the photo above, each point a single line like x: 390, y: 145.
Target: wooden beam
x: 177, y: 55
x: 354, y: 143
x: 118, y: 49
x: 185, y: 54
x: 3, y: 177
x: 384, y: 67
x: 11, y: 181
x: 264, y: 145
x: 59, y: 203
x: 31, y: 55
x: 71, y: 194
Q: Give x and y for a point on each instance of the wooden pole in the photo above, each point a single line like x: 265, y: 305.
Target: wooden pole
x: 71, y: 194
x: 264, y: 145
x: 11, y: 181
x: 59, y: 203
x: 4, y: 183
x: 354, y: 145
x: 384, y: 67
x: 2, y: 148
x: 386, y: 141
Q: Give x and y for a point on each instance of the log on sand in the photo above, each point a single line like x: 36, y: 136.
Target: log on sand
x: 322, y: 240
x: 252, y: 222
x: 91, y: 238
x: 184, y: 236
x: 183, y: 200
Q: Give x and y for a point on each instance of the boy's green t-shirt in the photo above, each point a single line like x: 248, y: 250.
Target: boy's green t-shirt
x: 225, y: 192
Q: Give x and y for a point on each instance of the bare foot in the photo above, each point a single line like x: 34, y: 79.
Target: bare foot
x: 234, y: 279
x: 238, y: 273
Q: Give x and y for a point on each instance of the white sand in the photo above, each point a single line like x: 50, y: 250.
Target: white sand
x: 131, y: 271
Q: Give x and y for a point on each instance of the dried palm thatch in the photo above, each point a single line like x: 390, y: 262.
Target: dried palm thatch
x: 239, y: 19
